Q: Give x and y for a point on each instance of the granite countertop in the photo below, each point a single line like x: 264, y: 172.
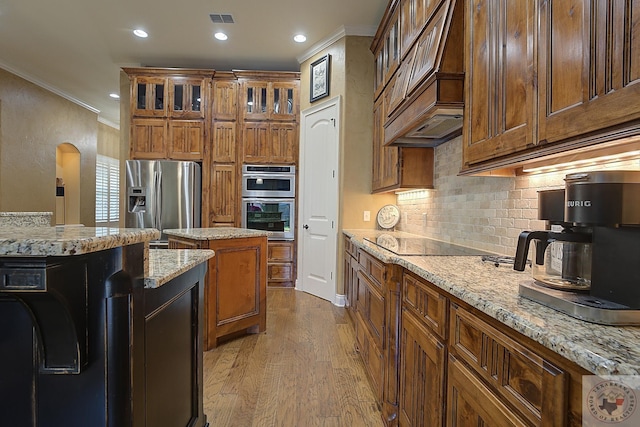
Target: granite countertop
x: 600, y: 349
x: 25, y: 219
x: 167, y: 264
x: 216, y: 233
x: 64, y: 241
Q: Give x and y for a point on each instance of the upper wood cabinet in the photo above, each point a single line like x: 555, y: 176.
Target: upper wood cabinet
x: 387, y: 56
x: 270, y: 100
x: 187, y: 97
x: 186, y: 139
x: 225, y: 99
x: 149, y: 96
x: 223, y: 204
x: 499, y: 94
x: 589, y: 68
x: 223, y: 146
x: 148, y: 138
x: 581, y: 89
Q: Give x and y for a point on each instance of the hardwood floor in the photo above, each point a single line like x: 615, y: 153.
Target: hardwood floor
x: 303, y: 371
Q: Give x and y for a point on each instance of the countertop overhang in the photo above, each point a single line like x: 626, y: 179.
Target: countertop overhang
x: 167, y: 264
x: 216, y: 233
x: 600, y: 349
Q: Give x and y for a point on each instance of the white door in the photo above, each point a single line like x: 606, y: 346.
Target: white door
x: 319, y: 199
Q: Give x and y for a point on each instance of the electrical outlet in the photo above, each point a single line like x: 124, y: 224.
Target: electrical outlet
x: 367, y: 216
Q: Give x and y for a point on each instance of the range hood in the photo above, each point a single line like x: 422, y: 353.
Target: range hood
x: 424, y: 104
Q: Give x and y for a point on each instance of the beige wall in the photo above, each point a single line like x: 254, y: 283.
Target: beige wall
x: 33, y: 122
x: 481, y: 212
x: 351, y: 79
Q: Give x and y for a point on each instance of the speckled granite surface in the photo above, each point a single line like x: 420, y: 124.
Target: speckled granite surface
x: 167, y: 264
x: 602, y: 350
x: 216, y: 233
x: 25, y: 219
x: 61, y: 241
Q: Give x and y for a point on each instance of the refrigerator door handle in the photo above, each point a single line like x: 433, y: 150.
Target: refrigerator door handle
x: 158, y: 189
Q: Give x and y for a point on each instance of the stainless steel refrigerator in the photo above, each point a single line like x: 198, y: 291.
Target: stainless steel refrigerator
x: 163, y: 194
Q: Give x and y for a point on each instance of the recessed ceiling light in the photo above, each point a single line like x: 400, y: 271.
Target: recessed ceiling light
x: 140, y: 33
x: 114, y: 95
x: 299, y: 38
x: 220, y: 36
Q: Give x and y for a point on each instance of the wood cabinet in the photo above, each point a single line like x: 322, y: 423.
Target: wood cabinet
x: 265, y: 142
x: 454, y: 365
x: 168, y: 107
x: 500, y: 85
x: 225, y: 99
x: 547, y: 77
x: 187, y: 97
x: 186, y: 139
x: 148, y: 138
x: 377, y: 314
x: 471, y: 402
x: 590, y: 83
x: 223, y: 206
x: 235, y: 292
x: 423, y: 352
x: 281, y: 263
x: 350, y: 276
x: 397, y: 168
x: 270, y: 100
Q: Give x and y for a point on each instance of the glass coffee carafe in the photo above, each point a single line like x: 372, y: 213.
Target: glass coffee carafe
x: 562, y: 259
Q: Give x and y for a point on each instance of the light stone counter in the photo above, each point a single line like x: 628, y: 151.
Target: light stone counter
x: 167, y: 264
x: 215, y: 233
x: 602, y: 350
x: 25, y: 219
x: 65, y: 241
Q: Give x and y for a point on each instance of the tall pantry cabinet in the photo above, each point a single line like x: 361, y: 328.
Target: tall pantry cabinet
x: 220, y: 119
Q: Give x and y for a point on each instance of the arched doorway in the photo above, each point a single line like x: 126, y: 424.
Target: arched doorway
x: 67, y: 184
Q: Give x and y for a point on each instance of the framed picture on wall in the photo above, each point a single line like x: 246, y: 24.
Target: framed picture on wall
x: 320, y: 78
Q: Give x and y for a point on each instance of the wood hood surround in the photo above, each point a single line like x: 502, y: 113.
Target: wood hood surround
x: 424, y: 100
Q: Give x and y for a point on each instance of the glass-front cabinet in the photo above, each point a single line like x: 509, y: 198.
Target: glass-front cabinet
x: 255, y: 102
x: 284, y: 101
x: 150, y: 96
x: 270, y: 100
x: 187, y: 97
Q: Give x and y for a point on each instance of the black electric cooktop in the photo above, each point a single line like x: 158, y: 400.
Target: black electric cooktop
x: 421, y: 246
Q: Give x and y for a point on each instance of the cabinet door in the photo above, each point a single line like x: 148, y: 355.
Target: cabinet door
x: 255, y: 105
x: 391, y: 48
x: 371, y: 305
x: 589, y: 67
x: 148, y: 138
x: 187, y: 139
x: 149, y: 98
x: 471, y: 403
x: 255, y: 136
x: 422, y: 375
x: 225, y: 99
x: 223, y: 193
x: 187, y: 97
x: 385, y: 159
x: 284, y: 101
x: 283, y: 142
x: 224, y: 142
x: 412, y: 18
x: 499, y: 98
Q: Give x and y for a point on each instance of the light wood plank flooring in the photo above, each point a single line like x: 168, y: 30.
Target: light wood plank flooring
x: 303, y: 371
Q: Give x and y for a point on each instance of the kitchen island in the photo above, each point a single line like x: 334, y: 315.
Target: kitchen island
x: 236, y: 283
x: 458, y: 323
x: 98, y: 330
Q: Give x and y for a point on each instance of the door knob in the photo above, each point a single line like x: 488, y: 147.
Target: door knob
x: 306, y: 227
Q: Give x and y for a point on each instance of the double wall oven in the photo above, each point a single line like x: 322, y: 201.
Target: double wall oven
x: 268, y: 199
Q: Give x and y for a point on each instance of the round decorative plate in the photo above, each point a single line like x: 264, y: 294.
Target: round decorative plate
x: 388, y: 216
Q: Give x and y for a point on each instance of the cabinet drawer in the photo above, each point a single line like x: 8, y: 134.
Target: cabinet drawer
x: 372, y: 268
x: 535, y: 387
x: 280, y: 251
x: 470, y: 402
x: 349, y: 247
x: 427, y: 303
x: 280, y: 271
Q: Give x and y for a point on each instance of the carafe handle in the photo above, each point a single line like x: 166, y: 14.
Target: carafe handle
x: 524, y: 239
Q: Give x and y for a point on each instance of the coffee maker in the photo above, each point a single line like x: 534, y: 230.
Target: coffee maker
x: 590, y: 269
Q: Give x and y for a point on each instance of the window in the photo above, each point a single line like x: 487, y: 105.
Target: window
x: 107, y: 191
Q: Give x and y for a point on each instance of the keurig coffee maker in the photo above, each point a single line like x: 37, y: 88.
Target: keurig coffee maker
x: 590, y: 268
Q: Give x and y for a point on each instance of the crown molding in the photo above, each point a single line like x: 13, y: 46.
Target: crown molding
x: 343, y: 31
x: 48, y: 87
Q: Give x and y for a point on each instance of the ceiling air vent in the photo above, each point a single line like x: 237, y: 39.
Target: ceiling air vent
x: 221, y: 18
